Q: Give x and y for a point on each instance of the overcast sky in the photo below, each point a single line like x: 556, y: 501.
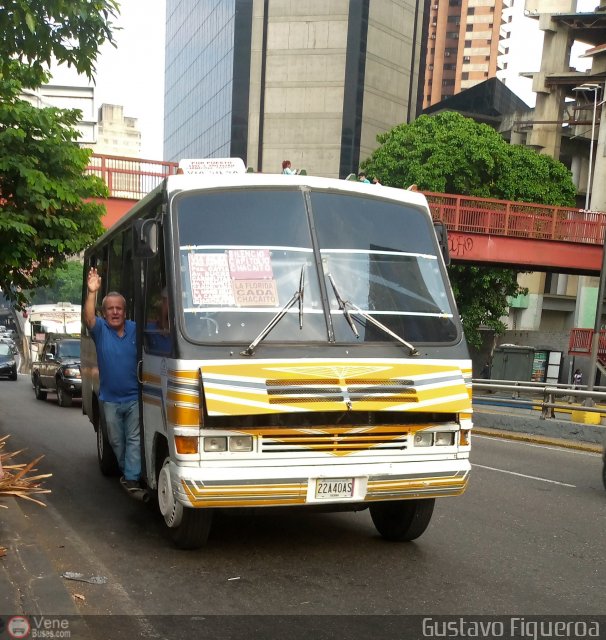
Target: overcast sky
x: 133, y: 74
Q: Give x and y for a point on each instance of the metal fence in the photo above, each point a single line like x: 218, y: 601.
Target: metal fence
x: 469, y: 214
x: 130, y: 178
x: 546, y: 398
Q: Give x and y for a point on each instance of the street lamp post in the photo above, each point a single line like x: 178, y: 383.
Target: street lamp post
x: 595, y: 340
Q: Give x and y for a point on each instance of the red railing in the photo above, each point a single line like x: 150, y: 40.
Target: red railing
x: 579, y: 343
x: 133, y: 178
x: 468, y: 214
x: 130, y: 178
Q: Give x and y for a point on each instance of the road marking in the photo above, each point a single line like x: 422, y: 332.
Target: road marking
x: 523, y: 475
x: 534, y: 444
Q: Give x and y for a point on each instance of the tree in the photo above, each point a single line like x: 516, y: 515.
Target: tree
x: 47, y: 207
x: 67, y: 285
x: 449, y: 153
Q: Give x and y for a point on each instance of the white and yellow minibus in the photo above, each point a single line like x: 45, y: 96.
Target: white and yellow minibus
x: 299, y: 346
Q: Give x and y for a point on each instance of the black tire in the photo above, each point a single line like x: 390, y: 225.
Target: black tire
x: 402, y: 520
x: 188, y: 527
x: 14, y: 376
x: 105, y: 454
x: 38, y: 390
x: 64, y: 399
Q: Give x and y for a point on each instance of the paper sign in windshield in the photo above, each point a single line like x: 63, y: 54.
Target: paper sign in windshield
x: 248, y: 264
x: 255, y: 293
x: 210, y: 279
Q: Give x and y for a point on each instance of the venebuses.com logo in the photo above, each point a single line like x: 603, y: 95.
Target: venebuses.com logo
x: 37, y: 627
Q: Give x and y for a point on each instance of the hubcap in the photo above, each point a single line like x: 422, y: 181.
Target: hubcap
x: 171, y: 509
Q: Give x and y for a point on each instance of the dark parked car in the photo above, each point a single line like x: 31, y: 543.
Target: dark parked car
x: 8, y: 365
x: 58, y: 369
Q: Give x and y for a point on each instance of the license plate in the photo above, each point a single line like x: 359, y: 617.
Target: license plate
x: 334, y: 488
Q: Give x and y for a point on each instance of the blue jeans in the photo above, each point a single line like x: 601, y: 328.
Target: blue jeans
x: 122, y: 421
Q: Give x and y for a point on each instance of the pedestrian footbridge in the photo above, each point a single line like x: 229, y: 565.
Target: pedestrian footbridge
x: 480, y: 230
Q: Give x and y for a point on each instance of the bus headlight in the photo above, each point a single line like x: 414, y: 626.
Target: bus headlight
x: 215, y: 443
x: 445, y: 438
x: 423, y: 439
x: 240, y: 443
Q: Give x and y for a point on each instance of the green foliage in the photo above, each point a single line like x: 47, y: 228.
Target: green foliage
x: 448, y: 153
x: 35, y: 32
x: 66, y: 285
x: 47, y: 207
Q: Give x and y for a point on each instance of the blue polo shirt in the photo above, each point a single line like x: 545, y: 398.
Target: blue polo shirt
x: 117, y: 361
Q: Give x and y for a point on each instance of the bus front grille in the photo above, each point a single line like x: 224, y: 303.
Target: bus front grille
x: 333, y: 390
x: 336, y: 440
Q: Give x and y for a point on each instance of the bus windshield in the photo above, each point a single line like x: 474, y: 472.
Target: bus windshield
x: 241, y: 254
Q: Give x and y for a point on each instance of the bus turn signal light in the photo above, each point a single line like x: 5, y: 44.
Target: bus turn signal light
x: 186, y: 444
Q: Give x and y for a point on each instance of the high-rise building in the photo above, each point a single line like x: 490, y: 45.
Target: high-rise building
x: 312, y: 81
x: 117, y: 134
x: 465, y: 41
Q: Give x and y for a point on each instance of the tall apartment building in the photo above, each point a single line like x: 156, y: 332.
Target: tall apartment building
x: 465, y: 42
x: 310, y: 81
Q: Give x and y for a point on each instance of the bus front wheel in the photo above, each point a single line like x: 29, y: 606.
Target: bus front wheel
x: 188, y: 527
x: 402, y: 520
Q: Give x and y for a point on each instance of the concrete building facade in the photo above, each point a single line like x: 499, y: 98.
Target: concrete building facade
x: 312, y: 81
x: 117, y: 134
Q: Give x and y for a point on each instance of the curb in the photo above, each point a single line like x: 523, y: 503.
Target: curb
x: 34, y: 586
x: 536, y: 439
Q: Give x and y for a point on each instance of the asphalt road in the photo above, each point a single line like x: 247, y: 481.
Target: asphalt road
x: 527, y: 538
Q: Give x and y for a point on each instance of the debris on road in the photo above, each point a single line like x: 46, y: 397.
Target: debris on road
x: 80, y: 577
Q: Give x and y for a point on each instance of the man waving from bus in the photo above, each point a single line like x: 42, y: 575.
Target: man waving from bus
x: 115, y: 339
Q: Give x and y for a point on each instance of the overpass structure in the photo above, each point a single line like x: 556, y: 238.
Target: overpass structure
x: 480, y: 230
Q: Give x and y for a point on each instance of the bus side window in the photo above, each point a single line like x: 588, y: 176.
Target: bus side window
x: 157, y: 328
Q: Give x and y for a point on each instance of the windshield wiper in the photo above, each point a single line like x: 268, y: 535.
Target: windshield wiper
x: 343, y: 306
x: 297, y: 296
x: 346, y: 305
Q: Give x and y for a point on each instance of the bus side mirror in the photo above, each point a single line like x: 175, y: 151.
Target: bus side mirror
x: 442, y: 235
x: 145, y: 238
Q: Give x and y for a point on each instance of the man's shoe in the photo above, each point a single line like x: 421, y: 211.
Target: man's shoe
x: 133, y: 488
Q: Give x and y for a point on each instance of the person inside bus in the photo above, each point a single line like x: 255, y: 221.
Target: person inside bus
x: 157, y: 334
x: 115, y: 339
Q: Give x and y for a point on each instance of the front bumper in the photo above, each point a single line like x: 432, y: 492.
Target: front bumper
x: 271, y: 486
x: 9, y: 370
x: 73, y: 386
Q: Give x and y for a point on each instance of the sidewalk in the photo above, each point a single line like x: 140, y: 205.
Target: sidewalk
x: 492, y: 414
x: 30, y: 584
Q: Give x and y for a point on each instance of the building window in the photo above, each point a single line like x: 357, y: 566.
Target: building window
x: 466, y: 59
x: 469, y: 27
x: 465, y: 75
x: 470, y: 11
x: 452, y: 34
